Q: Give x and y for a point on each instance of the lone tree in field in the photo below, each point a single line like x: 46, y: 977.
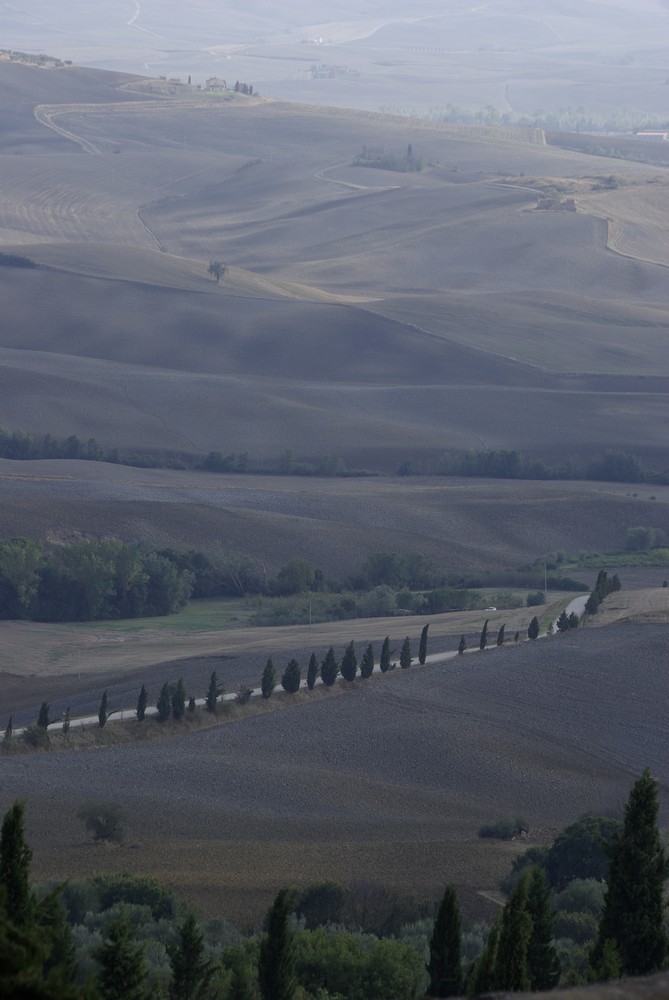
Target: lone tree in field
x: 268, y: 681
x: 385, y: 655
x: 462, y: 645
x: 329, y: 668
x: 484, y: 635
x: 500, y: 635
x: 349, y: 663
x: 15, y: 858
x: 533, y: 629
x: 633, y: 915
x: 103, y: 820
x: 213, y: 693
x: 422, y: 647
x: 312, y: 671
x: 103, y: 712
x: 445, y: 965
x: 290, y: 682
x: 276, y: 962
x: 405, y: 654
x: 142, y: 701
x: 217, y: 269
x: 367, y: 662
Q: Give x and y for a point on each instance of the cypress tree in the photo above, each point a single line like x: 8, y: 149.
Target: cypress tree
x: 66, y: 721
x: 563, y: 622
x: 268, y: 681
x: 533, y: 629
x: 191, y: 970
x: 445, y: 965
x: 592, y: 604
x: 179, y: 699
x: 142, y: 701
x: 511, y: 971
x: 191, y: 704
x: 9, y: 732
x: 276, y: 962
x: 290, y: 682
x: 633, y: 914
x: 213, y: 693
x: 385, y: 655
x: 43, y: 719
x: 164, y: 703
x: 367, y: 662
x: 405, y: 654
x: 329, y: 668
x: 516, y: 636
x: 462, y: 645
x: 312, y: 671
x: 103, y: 714
x: 500, y: 635
x: 482, y: 976
x: 349, y: 663
x: 123, y: 971
x: 15, y: 858
x: 484, y: 635
x: 422, y: 647
x: 573, y: 620
x: 543, y: 964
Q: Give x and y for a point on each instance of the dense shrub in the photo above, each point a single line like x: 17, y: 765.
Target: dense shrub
x: 505, y: 829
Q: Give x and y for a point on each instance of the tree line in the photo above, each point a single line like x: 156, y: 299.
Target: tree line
x: 90, y: 940
x: 89, y: 580
x: 174, y: 701
x: 109, y: 579
x: 612, y: 466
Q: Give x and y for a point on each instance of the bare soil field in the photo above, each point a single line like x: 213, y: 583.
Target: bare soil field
x: 463, y: 525
x: 388, y: 781
x: 345, y: 283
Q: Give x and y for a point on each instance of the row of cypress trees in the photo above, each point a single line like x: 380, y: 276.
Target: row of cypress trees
x: 329, y: 668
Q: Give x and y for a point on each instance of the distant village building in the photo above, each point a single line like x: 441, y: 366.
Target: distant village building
x: 371, y: 153
x: 215, y: 83
x: 653, y: 136
x: 556, y: 204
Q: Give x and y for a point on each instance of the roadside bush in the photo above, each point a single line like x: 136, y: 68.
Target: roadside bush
x: 244, y: 694
x: 505, y: 829
x: 36, y: 737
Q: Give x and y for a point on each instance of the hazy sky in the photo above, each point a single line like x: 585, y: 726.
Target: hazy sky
x: 508, y: 53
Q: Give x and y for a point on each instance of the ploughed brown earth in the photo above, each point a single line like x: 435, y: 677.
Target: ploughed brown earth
x: 386, y: 780
x: 376, y: 317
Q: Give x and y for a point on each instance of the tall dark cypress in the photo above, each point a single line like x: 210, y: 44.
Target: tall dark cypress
x: 276, y: 962
x: 312, y: 671
x: 633, y: 915
x: 511, y: 971
x: 445, y: 965
x: 422, y: 647
x: 349, y: 663
x: 15, y: 858
x: 543, y: 964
